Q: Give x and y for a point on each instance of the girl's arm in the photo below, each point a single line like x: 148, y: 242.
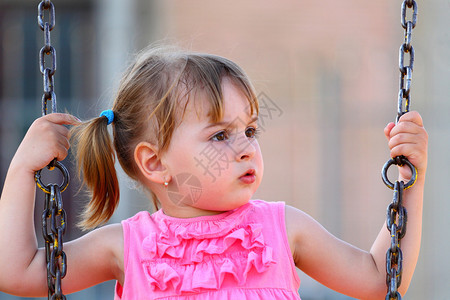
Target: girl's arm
x: 91, y: 259
x: 352, y: 271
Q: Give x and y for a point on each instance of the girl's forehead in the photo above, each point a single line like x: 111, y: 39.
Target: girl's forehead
x: 233, y: 111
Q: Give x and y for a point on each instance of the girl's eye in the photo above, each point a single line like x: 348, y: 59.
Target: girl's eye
x: 220, y: 136
x: 252, y: 132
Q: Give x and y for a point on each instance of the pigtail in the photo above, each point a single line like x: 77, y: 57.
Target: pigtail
x: 95, y: 158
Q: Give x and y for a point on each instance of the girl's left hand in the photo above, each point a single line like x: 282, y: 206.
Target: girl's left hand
x: 410, y: 139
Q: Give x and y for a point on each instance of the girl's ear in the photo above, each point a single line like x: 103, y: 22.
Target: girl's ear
x: 149, y: 163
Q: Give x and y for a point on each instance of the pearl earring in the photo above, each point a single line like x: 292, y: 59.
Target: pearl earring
x: 166, y: 184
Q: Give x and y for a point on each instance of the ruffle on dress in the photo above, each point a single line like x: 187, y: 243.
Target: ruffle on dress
x: 204, y: 251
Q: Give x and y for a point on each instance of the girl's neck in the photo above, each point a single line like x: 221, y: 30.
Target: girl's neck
x: 183, y: 212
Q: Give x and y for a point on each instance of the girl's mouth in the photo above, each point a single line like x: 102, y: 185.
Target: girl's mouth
x: 248, y: 177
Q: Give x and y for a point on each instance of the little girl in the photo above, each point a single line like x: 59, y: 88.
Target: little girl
x: 174, y: 113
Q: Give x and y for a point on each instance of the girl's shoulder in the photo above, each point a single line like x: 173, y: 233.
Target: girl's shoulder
x: 111, y: 236
x: 269, y: 210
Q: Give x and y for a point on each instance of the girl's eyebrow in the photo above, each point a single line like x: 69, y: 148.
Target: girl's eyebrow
x: 230, y: 123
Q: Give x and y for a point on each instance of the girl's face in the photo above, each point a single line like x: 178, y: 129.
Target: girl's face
x: 214, y: 167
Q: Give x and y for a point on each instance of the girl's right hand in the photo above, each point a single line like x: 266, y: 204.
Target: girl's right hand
x: 45, y: 140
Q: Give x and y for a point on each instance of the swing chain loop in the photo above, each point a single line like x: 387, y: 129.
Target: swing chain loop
x: 396, y: 216
x: 53, y: 216
x: 399, y: 161
x: 46, y: 188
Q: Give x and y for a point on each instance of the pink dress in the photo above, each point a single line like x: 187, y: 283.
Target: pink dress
x: 240, y: 254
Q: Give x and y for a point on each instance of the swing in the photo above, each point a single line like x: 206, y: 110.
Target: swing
x: 54, y: 215
x: 396, y: 213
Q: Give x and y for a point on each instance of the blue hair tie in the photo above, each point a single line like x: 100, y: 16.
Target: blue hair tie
x: 109, y: 114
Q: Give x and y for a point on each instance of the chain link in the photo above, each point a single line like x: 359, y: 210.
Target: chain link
x: 396, y: 214
x: 54, y: 216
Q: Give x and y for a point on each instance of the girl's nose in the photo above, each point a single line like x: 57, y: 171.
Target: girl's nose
x: 245, y: 148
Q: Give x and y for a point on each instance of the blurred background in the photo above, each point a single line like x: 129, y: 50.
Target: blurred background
x: 326, y: 73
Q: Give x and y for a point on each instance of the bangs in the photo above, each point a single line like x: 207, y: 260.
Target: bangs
x: 203, y: 75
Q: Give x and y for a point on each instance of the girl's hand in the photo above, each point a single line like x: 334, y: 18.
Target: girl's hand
x: 410, y: 139
x: 45, y: 140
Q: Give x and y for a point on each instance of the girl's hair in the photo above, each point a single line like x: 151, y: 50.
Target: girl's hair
x: 149, y: 105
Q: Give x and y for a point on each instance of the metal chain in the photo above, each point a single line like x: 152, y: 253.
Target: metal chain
x: 396, y: 213
x: 54, y: 230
